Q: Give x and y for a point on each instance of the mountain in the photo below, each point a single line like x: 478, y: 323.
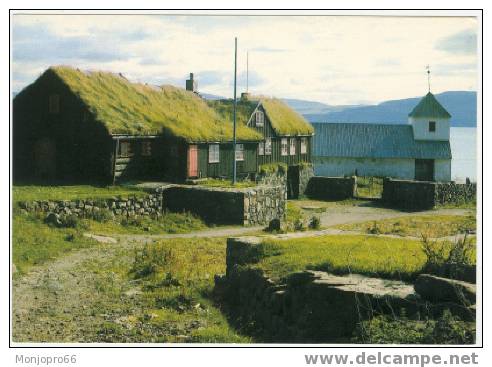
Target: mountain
x: 211, y: 97
x: 462, y: 106
x: 313, y: 108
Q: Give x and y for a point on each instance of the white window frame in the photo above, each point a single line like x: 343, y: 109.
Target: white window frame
x: 259, y: 119
x: 268, y: 146
x: 303, y: 145
x: 146, y: 149
x: 213, y: 153
x: 54, y: 103
x: 292, y: 146
x: 239, y: 152
x: 284, y: 147
x: 261, y: 148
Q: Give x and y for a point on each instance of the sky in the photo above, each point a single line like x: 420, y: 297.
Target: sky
x: 337, y: 60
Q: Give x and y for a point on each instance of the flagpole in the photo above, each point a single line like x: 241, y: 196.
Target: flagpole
x: 234, y: 115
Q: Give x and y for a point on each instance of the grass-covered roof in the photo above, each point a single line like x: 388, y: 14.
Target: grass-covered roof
x: 225, y: 108
x: 138, y: 109
x: 284, y: 120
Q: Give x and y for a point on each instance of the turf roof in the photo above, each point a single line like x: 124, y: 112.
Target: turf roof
x: 137, y: 109
x: 429, y: 107
x: 225, y: 108
x: 284, y: 120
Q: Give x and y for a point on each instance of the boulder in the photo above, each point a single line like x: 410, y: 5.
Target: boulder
x: 437, y: 289
x: 53, y: 218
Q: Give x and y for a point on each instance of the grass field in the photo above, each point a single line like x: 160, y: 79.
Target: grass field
x: 211, y: 182
x: 130, y: 292
x: 417, y: 226
x: 374, y: 256
x: 176, y: 278
x: 34, y: 242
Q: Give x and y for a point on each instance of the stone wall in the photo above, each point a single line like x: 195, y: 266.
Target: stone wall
x: 150, y: 205
x: 312, y: 306
x: 250, y: 206
x: 420, y: 195
x: 450, y: 192
x: 305, y: 174
x: 331, y: 188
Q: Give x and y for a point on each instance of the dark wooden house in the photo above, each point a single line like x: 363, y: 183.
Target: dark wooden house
x: 77, y: 126
x: 286, y: 137
x: 71, y: 125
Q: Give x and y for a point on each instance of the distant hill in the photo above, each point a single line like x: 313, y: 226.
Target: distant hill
x: 462, y: 105
x: 314, y: 108
x: 211, y: 97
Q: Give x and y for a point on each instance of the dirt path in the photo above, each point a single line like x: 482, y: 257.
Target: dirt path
x: 216, y: 232
x: 56, y: 302
x: 61, y: 302
x: 353, y: 214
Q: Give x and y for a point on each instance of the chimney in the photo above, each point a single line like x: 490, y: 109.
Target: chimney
x: 191, y: 84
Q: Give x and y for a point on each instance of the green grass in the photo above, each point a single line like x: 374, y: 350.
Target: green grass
x: 34, y: 243
x: 225, y: 108
x: 271, y: 168
x: 417, y: 226
x: 139, y: 109
x: 374, y: 256
x: 369, y: 187
x: 284, y: 120
x: 80, y: 192
x: 212, y: 182
x: 174, y: 281
x: 168, y: 223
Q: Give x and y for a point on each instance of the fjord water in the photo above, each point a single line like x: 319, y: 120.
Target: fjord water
x: 464, y: 151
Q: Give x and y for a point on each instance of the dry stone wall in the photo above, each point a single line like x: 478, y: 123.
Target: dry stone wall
x: 252, y: 206
x: 312, y: 306
x: 419, y: 195
x: 150, y: 205
x: 331, y: 188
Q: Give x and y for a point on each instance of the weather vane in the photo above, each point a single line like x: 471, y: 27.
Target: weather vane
x: 428, y: 77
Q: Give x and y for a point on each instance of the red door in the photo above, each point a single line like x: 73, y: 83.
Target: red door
x: 192, y: 161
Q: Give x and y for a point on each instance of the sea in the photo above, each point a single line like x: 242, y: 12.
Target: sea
x: 464, y: 150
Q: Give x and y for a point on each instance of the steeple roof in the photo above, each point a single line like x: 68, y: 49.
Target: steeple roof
x: 429, y: 107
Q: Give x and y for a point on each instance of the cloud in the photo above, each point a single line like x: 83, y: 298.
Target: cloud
x: 267, y: 49
x: 464, y: 43
x: 307, y: 57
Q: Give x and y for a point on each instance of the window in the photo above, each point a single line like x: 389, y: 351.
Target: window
x: 261, y: 148
x: 126, y: 149
x: 146, y: 148
x: 213, y: 153
x: 54, y: 104
x: 239, y: 152
x: 268, y: 146
x: 284, y: 148
x: 432, y: 126
x: 292, y: 146
x: 303, y: 145
x: 260, y: 119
